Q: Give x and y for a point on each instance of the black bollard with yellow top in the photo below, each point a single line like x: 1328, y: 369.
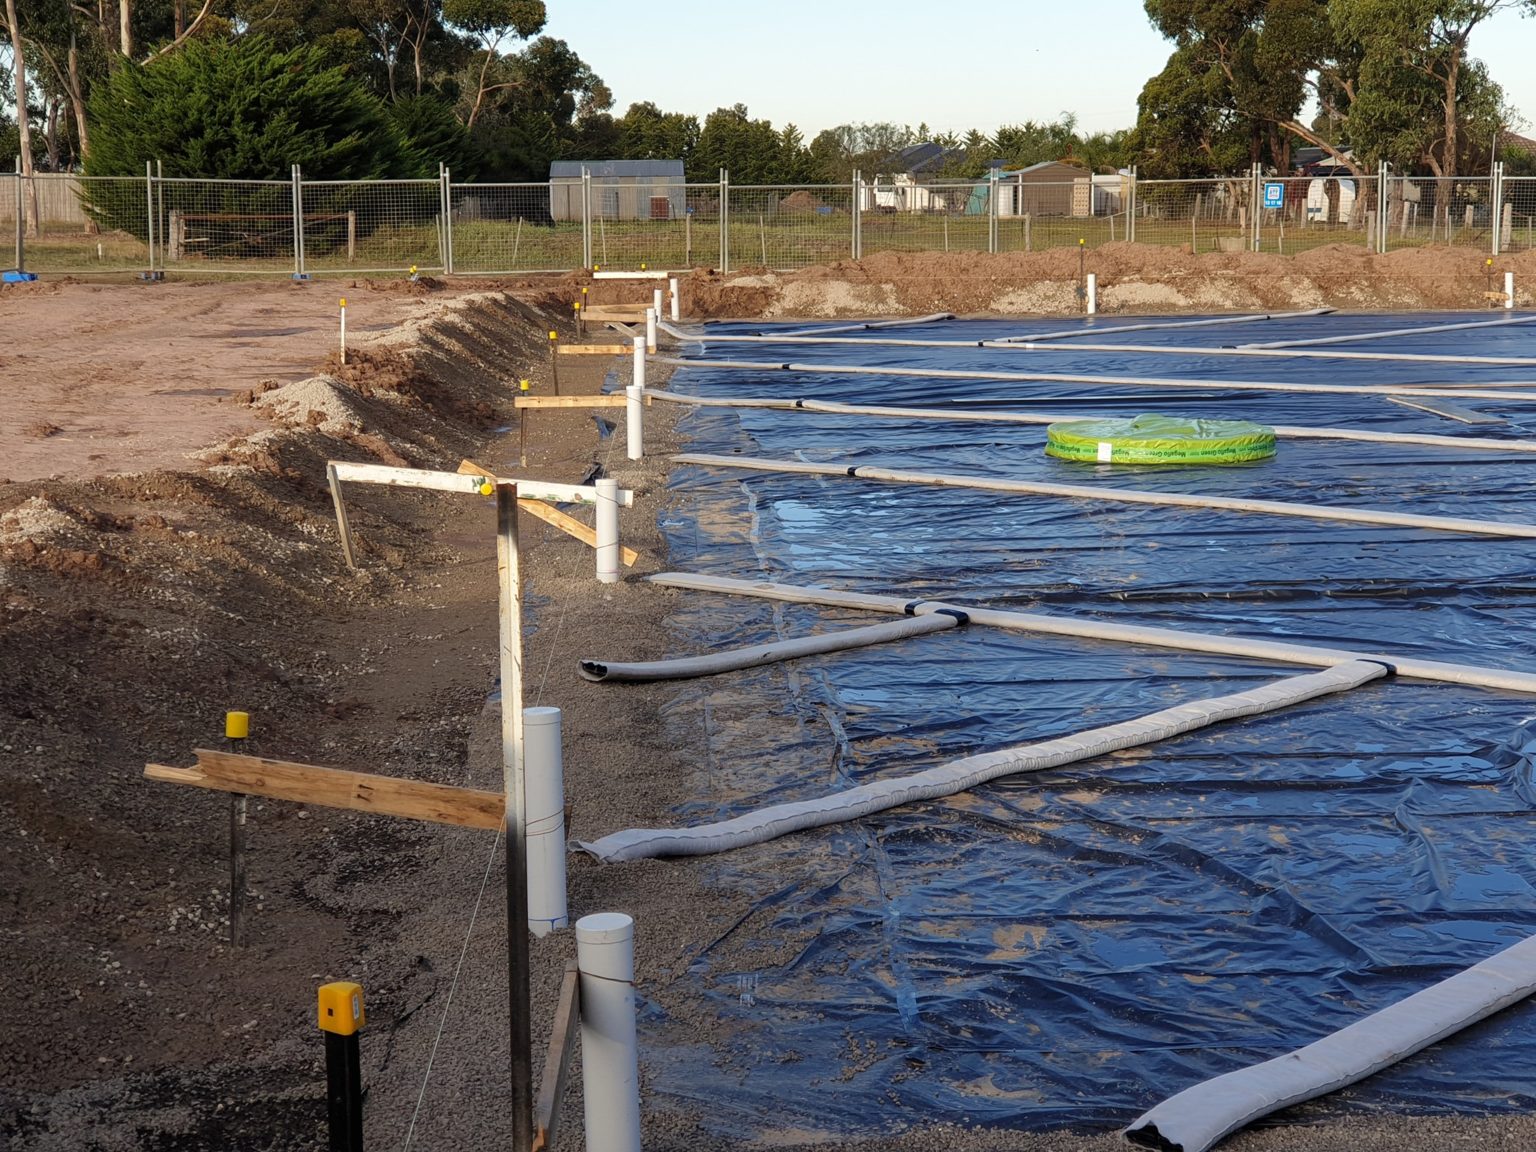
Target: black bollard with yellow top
x: 341, y: 1018
x: 237, y: 727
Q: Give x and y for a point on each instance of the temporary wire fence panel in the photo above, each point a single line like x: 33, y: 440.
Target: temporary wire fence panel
x: 949, y: 217
x: 790, y: 226
x: 1426, y: 210
x: 79, y: 224
x: 1033, y: 216
x: 509, y: 228
x: 657, y: 225
x: 1519, y: 234
x: 372, y: 225
x: 223, y: 225
x: 1199, y: 215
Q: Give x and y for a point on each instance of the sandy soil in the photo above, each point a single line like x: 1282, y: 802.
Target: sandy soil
x: 147, y: 584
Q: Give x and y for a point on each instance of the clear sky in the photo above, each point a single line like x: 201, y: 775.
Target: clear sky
x: 954, y: 66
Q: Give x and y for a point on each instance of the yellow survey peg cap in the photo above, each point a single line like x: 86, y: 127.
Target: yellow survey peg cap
x: 237, y: 725
x: 341, y: 1008
x: 554, y: 335
x: 343, y: 301
x: 522, y: 385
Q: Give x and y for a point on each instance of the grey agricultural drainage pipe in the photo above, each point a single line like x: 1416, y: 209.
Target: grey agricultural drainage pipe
x: 544, y: 804
x: 961, y: 775
x: 605, y: 957
x: 1158, y: 325
x: 1173, y: 638
x: 1199, y: 1117
x: 757, y: 655
x: 1116, y: 495
x: 1491, y: 392
x: 866, y: 326
x: 1393, y: 333
x: 1288, y: 431
x: 1137, y: 349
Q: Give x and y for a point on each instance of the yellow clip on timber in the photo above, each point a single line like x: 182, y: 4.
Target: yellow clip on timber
x: 486, y: 488
x: 341, y: 1008
x: 237, y: 725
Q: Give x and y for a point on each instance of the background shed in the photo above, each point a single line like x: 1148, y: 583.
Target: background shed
x: 621, y: 189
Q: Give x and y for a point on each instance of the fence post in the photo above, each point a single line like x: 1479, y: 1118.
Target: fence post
x: 993, y: 186
x: 586, y: 219
x: 1496, y: 207
x: 1130, y: 206
x: 856, y: 241
x: 21, y: 222
x: 149, y: 212
x: 1256, y: 205
x: 725, y: 221
x: 445, y: 201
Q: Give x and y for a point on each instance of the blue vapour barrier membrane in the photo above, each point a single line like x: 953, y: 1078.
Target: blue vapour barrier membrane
x: 1071, y: 948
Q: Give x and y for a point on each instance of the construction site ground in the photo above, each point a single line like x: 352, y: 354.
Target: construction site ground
x: 168, y: 552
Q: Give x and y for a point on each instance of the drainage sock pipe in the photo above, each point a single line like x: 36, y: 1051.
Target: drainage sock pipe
x: 1198, y: 1117
x: 1173, y: 638
x: 1494, y: 391
x: 544, y: 803
x: 962, y: 775
x: 730, y: 661
x: 1287, y: 431
x: 1393, y: 333
x: 1118, y: 495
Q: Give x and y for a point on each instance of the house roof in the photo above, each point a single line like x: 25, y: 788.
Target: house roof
x: 925, y: 157
x: 612, y: 169
x: 1044, y: 166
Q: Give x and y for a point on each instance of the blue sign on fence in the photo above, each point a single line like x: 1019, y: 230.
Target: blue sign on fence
x: 1274, y: 195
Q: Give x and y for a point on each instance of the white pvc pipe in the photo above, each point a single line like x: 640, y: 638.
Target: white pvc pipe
x: 1285, y: 431
x: 650, y: 329
x: 1158, y: 325
x: 676, y: 307
x: 754, y: 657
x: 607, y: 531
x: 605, y: 955
x: 1118, y: 495
x: 869, y: 325
x: 1494, y: 391
x: 634, y: 411
x: 1137, y: 349
x: 1200, y: 1116
x: 1393, y: 333
x: 1509, y: 289
x: 1093, y: 293
x: 544, y: 813
x: 634, y: 407
x: 1173, y: 638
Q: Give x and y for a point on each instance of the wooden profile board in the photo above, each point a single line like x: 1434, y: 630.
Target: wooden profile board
x: 596, y: 349
x: 567, y: 524
x: 336, y: 788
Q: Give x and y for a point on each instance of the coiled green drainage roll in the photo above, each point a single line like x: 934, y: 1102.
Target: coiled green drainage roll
x: 1160, y: 440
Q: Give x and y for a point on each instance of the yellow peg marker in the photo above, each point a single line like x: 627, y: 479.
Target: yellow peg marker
x: 522, y: 428
x: 413, y: 274
x: 343, y: 329
x: 554, y: 360
x: 341, y: 1016
x: 576, y: 307
x: 341, y: 1008
x: 642, y: 265
x: 595, y: 268
x: 237, y: 726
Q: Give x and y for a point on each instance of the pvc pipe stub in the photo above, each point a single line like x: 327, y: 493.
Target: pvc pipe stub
x: 542, y: 715
x: 605, y: 946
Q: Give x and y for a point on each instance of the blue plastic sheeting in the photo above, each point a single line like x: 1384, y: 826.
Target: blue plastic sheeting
x: 1066, y: 949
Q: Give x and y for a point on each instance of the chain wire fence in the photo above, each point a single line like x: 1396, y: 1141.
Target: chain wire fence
x: 152, y: 226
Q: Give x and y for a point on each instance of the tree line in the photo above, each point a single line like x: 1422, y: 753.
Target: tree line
x: 354, y: 89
